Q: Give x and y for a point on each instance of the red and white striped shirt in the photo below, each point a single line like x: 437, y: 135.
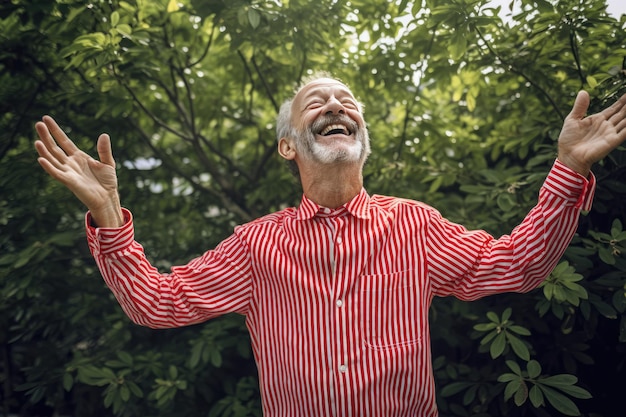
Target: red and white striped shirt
x: 336, y: 301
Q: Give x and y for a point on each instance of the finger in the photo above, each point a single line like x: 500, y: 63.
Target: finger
x: 579, y: 110
x: 59, y: 135
x: 53, y: 171
x: 617, y: 112
x: 620, y: 127
x: 105, y: 153
x: 54, y: 151
x: 49, y: 164
x: 44, y: 153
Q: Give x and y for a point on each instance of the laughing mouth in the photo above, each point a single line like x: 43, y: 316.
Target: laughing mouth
x: 335, y: 129
x: 329, y: 125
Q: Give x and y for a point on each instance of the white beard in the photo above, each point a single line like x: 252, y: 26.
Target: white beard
x: 331, y: 153
x: 310, y: 148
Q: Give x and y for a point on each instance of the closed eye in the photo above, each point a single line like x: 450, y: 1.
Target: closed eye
x: 314, y: 105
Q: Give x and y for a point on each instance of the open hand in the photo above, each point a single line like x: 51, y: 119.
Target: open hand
x: 585, y: 140
x: 93, y: 182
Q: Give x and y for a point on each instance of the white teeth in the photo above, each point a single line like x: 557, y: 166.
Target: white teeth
x: 335, y: 127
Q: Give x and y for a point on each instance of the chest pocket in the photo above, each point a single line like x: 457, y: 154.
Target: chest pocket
x: 390, y: 312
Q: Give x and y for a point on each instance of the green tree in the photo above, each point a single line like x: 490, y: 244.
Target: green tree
x: 463, y: 109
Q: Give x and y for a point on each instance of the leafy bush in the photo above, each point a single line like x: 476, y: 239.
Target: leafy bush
x: 463, y: 110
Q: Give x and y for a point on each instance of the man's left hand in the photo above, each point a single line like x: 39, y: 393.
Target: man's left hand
x: 585, y: 140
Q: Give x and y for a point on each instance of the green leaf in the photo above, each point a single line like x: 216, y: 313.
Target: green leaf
x: 173, y: 372
x: 521, y: 394
x: 534, y: 369
x: 134, y: 389
x: 566, y: 383
x: 508, y: 377
x: 454, y: 388
x: 483, y: 327
x: 560, y: 402
x: 68, y: 382
x: 603, y: 308
x: 536, y: 397
x: 606, y: 255
x: 216, y: 358
x: 493, y: 317
x: 593, y: 83
x: 616, y: 229
x: 125, y: 357
x: 109, y: 398
x: 457, y: 45
x: 498, y: 345
x: 172, y: 6
x: 519, y: 348
x: 488, y: 337
x: 522, y: 331
x: 436, y: 184
x: 124, y: 393
x: 513, y: 366
x: 506, y: 201
x: 470, y: 395
x: 512, y: 388
x: 125, y: 30
x: 558, y: 381
x: 548, y: 290
x: 506, y: 314
x: 115, y: 18
x: 196, y: 354
x: 254, y: 18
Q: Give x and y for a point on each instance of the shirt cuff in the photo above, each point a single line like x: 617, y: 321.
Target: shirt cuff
x: 569, y: 185
x: 103, y: 240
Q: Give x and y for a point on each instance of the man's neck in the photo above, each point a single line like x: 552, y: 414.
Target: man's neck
x: 332, y: 186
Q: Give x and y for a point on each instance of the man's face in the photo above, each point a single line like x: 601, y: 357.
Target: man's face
x: 329, y: 123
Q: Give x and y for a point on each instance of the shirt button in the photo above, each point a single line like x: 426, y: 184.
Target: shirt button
x: 343, y: 369
x: 339, y: 240
x: 339, y: 303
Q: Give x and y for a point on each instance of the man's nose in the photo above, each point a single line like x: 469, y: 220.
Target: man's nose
x: 334, y: 106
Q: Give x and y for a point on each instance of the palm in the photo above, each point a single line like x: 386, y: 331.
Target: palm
x: 585, y: 140
x: 86, y: 177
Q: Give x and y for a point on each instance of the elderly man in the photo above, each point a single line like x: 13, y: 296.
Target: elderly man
x: 336, y: 292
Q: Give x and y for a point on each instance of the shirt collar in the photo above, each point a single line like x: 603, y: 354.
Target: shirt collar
x: 359, y: 207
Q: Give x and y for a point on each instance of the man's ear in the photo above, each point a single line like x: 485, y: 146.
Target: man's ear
x: 286, y: 149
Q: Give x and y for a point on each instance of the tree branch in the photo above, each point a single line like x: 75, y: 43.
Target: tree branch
x: 268, y: 90
x: 226, y: 201
x: 512, y: 68
x: 208, y: 45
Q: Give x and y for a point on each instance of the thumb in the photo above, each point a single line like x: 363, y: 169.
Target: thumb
x: 579, y: 110
x: 105, y: 152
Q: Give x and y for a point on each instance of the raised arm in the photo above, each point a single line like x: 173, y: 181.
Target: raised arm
x: 585, y: 140
x: 93, y: 182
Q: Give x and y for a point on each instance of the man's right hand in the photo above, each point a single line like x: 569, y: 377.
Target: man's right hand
x: 93, y: 182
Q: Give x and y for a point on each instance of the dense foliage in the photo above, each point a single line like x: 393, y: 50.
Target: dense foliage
x: 463, y: 108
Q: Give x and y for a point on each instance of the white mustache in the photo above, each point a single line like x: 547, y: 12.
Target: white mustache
x: 323, y: 121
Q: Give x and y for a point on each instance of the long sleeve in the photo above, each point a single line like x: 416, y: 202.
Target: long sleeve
x: 473, y: 264
x: 215, y: 283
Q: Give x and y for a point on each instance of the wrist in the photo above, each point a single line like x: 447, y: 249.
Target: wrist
x: 574, y: 165
x: 108, y: 214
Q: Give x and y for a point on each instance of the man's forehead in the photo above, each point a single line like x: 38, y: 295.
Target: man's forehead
x: 322, y: 85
